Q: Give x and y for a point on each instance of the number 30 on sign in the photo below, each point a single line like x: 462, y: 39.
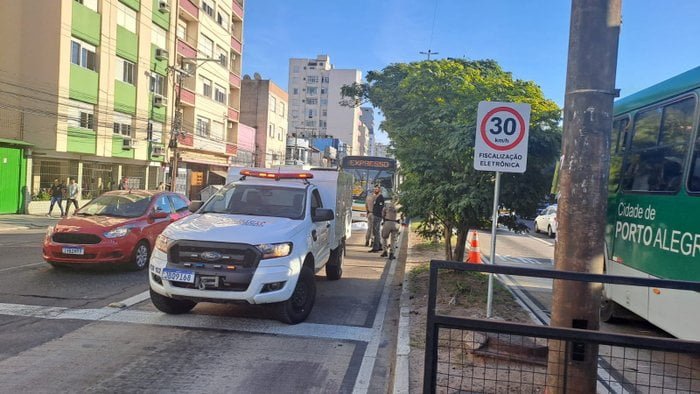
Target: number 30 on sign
x: 501, y: 137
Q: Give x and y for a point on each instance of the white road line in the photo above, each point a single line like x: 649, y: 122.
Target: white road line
x: 540, y: 240
x: 364, y: 376
x: 21, y: 266
x: 132, y: 300
x: 306, y: 330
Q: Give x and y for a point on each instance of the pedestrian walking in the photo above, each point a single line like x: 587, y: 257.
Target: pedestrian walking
x: 73, y: 193
x: 390, y: 229
x: 56, y: 192
x: 369, y: 204
x: 377, y: 208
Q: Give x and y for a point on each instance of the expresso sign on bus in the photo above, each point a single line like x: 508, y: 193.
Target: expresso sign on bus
x: 372, y: 163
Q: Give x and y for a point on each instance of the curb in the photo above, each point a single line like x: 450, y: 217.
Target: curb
x: 403, y: 338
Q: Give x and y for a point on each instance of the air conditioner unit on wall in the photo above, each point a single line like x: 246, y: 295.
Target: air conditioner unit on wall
x: 163, y: 6
x: 157, y: 151
x: 127, y: 143
x: 159, y: 101
x: 161, y: 54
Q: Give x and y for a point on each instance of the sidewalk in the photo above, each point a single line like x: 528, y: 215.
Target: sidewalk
x: 11, y: 223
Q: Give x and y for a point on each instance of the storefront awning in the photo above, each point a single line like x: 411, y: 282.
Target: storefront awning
x: 9, y: 141
x: 222, y: 174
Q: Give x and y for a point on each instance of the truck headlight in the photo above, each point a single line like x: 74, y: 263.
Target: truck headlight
x: 271, y: 251
x: 163, y: 243
x: 117, y: 232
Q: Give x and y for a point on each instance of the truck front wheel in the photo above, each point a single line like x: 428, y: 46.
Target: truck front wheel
x: 297, y: 308
x: 334, y: 267
x: 171, y: 306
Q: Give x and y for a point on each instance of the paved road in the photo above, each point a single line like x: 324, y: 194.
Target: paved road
x: 533, y: 250
x: 96, y: 330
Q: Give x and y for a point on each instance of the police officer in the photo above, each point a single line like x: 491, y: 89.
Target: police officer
x: 377, y: 208
x: 390, y: 228
x: 369, y: 205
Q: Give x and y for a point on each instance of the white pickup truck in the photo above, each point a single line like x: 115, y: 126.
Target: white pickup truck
x: 259, y: 240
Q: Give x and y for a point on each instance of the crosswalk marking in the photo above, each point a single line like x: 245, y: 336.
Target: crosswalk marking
x: 307, y: 330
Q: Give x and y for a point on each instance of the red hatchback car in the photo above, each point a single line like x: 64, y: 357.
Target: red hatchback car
x: 116, y: 227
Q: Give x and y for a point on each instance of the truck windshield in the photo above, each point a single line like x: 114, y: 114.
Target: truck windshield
x: 258, y: 200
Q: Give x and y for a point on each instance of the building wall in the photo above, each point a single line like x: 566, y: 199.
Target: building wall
x: 257, y: 99
x: 32, y: 82
x: 344, y: 122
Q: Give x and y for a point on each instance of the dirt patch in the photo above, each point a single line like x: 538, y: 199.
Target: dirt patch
x: 469, y: 361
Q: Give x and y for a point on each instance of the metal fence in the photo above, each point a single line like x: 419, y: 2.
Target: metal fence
x: 467, y: 355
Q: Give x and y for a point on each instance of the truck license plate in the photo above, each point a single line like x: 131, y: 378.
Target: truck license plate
x: 175, y: 275
x: 73, y: 250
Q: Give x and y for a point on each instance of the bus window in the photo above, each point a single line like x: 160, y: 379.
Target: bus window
x: 619, y: 142
x: 694, y: 176
x: 640, y: 164
x: 658, y: 149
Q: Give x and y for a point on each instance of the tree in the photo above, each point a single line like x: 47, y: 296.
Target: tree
x: 430, y: 117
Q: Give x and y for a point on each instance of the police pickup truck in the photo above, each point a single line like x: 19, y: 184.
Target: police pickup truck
x: 258, y: 240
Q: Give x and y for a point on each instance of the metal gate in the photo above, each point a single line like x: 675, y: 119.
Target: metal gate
x: 478, y: 355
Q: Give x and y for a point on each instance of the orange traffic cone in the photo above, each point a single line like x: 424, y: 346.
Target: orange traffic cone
x: 474, y: 256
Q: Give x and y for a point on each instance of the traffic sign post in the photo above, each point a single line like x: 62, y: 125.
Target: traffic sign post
x: 501, y: 145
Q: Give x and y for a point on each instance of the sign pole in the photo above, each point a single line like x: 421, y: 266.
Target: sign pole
x: 492, y: 255
x: 500, y: 146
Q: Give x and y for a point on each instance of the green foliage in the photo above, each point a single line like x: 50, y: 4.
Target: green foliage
x: 430, y: 116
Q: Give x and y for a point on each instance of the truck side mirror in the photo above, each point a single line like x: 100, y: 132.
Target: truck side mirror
x: 195, y: 205
x: 323, y: 215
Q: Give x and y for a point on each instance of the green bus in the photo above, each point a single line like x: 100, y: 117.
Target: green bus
x: 367, y: 172
x: 653, y: 219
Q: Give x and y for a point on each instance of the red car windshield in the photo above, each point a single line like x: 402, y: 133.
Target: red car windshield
x: 127, y: 206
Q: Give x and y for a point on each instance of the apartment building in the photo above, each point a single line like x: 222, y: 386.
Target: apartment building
x: 208, y: 55
x: 314, y: 97
x: 84, y: 93
x: 367, y: 119
x: 88, y: 92
x: 264, y: 105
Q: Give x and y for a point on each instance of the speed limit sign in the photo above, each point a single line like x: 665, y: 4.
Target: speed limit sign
x: 501, y: 136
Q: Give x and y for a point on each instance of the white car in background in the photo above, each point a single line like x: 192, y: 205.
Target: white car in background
x: 546, y: 221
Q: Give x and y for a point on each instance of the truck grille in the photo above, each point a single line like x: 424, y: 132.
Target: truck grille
x: 214, y: 253
x: 76, y: 238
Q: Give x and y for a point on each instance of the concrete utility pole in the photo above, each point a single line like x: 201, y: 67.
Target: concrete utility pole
x: 176, y: 128
x: 583, y: 174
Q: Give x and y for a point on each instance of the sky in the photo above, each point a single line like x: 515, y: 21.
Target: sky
x: 658, y: 39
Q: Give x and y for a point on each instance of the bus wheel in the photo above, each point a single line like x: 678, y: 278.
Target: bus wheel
x: 608, y: 310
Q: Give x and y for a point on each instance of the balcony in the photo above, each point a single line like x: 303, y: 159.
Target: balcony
x: 236, y: 45
x: 237, y: 9
x: 233, y: 114
x: 188, y: 8
x: 187, y: 97
x: 231, y: 149
x: 209, y: 145
x: 234, y: 80
x: 185, y: 49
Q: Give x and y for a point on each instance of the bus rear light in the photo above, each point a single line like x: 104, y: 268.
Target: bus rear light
x: 277, y: 175
x: 617, y: 259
